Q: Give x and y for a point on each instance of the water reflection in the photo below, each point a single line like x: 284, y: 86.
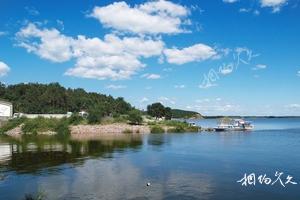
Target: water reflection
x: 30, y: 155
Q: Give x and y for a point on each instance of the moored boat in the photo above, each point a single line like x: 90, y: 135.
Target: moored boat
x: 234, y: 125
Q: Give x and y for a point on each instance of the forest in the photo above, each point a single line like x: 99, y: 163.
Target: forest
x: 34, y: 98
x: 52, y: 98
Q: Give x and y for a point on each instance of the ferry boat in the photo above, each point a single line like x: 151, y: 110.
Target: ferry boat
x: 234, y: 125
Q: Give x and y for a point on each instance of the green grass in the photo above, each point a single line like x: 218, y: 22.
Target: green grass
x: 175, y: 126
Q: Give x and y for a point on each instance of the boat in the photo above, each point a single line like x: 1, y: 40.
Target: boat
x: 234, y: 125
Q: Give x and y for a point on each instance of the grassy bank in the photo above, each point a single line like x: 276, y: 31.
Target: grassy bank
x: 172, y: 126
x: 62, y: 127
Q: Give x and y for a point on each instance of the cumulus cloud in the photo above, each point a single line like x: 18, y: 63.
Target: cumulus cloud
x: 151, y: 76
x: 110, y: 58
x: 274, y: 4
x: 49, y: 44
x: 4, y: 69
x: 195, y: 53
x: 154, y: 17
x: 116, y: 87
x: 298, y: 73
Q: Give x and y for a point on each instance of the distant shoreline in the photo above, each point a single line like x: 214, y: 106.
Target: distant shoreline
x: 217, y: 117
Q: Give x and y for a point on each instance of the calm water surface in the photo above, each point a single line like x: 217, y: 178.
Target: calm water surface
x: 178, y: 166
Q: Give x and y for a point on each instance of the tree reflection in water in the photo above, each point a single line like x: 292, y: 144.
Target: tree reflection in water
x: 36, y: 154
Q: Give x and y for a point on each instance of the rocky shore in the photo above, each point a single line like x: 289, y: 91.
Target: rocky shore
x: 117, y: 128
x: 91, y: 130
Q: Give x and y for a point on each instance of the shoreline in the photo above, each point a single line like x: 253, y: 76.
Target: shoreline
x: 87, y: 131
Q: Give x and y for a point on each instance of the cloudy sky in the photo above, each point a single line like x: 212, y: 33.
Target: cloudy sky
x: 219, y: 57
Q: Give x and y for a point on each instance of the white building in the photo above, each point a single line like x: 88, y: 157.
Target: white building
x: 6, y: 109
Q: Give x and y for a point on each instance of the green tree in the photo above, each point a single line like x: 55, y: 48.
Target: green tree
x: 135, y: 117
x: 168, y: 113
x: 95, y: 116
x: 156, y: 110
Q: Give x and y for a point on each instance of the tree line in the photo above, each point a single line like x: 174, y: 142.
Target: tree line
x: 52, y: 98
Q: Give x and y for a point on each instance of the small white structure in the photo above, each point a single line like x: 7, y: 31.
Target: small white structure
x: 6, y: 109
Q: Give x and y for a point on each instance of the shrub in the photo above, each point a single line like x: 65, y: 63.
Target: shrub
x: 127, y: 131
x: 39, y: 124
x: 193, y: 129
x: 177, y: 129
x: 95, y: 116
x: 120, y: 119
x: 75, y: 119
x: 157, y: 129
x: 62, y: 127
x: 11, y: 124
x: 135, y: 117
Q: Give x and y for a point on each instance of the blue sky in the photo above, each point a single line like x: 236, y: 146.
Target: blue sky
x: 220, y: 57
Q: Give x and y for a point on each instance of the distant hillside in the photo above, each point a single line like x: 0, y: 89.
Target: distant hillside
x: 177, y: 113
x: 53, y: 98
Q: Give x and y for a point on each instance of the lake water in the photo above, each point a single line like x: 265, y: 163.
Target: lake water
x: 178, y: 166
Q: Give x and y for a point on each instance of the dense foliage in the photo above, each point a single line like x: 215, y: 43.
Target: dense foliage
x: 157, y: 110
x: 53, y: 98
x: 135, y: 117
x: 176, y: 113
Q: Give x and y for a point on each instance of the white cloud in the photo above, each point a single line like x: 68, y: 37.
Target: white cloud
x: 215, y: 106
x: 293, y: 106
x: 153, y: 17
x: 274, y: 4
x: 110, y: 58
x: 256, y: 12
x: 116, y: 87
x: 226, y: 71
x: 46, y: 43
x: 230, y: 1
x: 4, y: 69
x: 32, y: 11
x: 2, y: 33
x: 298, y: 73
x: 168, y: 69
x: 195, y: 53
x: 179, y: 86
x: 259, y: 66
x: 207, y: 85
x: 244, y: 10
x: 151, y: 76
x: 166, y: 101
x: 144, y: 99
